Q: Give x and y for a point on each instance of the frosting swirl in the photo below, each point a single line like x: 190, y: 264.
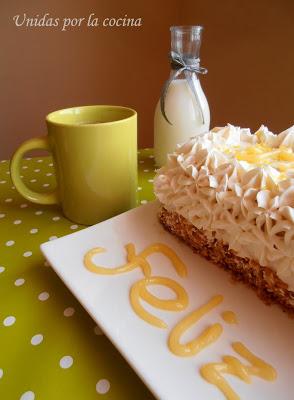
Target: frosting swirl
x: 239, y: 188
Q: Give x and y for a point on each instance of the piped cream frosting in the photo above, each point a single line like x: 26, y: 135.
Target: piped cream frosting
x: 239, y: 188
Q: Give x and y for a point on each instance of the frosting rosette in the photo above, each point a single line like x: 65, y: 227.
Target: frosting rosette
x: 239, y: 188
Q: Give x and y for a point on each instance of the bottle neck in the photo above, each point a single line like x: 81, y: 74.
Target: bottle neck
x: 182, y: 75
x: 186, y: 42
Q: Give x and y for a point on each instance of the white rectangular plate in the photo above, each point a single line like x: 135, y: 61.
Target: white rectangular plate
x: 265, y: 330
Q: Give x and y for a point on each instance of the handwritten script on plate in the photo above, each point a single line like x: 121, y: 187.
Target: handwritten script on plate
x: 211, y: 372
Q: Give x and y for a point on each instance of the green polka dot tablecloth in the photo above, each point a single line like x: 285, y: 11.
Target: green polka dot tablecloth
x: 50, y: 348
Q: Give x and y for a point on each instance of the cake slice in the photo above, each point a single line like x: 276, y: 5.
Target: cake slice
x: 229, y: 195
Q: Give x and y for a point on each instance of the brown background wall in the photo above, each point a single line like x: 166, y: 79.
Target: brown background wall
x: 247, y: 47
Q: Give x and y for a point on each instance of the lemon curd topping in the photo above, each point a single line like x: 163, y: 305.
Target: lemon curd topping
x: 261, y: 155
x: 206, y: 338
x: 229, y: 317
x: 211, y: 372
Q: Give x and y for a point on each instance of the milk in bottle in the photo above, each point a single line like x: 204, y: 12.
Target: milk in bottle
x: 182, y: 111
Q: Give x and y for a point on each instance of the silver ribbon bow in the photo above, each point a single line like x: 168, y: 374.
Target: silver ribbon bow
x: 180, y: 65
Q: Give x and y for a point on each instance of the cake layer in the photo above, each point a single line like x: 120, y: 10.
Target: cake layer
x: 269, y: 287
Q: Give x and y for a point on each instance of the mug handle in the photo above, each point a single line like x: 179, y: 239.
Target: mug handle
x: 40, y: 198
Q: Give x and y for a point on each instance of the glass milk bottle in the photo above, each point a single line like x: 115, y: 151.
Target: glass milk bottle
x: 182, y: 111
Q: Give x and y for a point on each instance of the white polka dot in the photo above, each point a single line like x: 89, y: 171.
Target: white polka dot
x: 51, y: 164
x: 34, y: 230
x: 37, y: 170
x: 10, y: 243
x: 150, y: 180
x: 56, y: 218
x: 43, y: 296
x: 46, y: 184
x: 33, y: 180
x: 2, y: 182
x: 139, y: 188
x: 24, y: 205
x: 69, y: 311
x: 39, y: 212
x: 17, y: 221
x: 141, y: 162
x: 138, y: 152
x: 144, y: 201
x: 8, y: 172
x: 146, y: 170
x: 28, y: 158
x: 2, y: 269
x: 24, y: 167
x: 9, y: 200
x: 21, y: 176
x: 40, y: 160
x: 8, y: 321
x: 19, y: 282
x: 37, y: 339
x: 66, y: 362
x: 1, y: 373
x: 98, y: 331
x: 13, y: 187
x: 73, y: 226
x: 2, y: 215
x: 102, y: 386
x: 53, y: 237
x: 27, y: 254
x: 49, y: 174
x: 3, y: 161
x: 27, y: 396
x: 151, y: 156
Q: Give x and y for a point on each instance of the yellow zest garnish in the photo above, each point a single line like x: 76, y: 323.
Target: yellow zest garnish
x: 262, y: 155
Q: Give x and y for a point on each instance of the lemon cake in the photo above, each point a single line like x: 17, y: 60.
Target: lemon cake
x: 229, y: 194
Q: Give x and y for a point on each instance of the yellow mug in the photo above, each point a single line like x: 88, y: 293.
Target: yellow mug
x: 94, y: 152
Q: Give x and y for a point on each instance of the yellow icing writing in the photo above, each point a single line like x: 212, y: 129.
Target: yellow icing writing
x: 229, y: 317
x: 135, y: 261
x: 139, y: 290
x: 212, y: 372
x: 207, y: 337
